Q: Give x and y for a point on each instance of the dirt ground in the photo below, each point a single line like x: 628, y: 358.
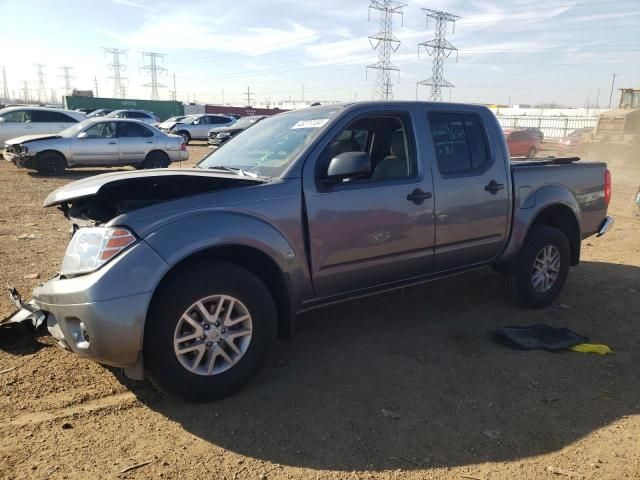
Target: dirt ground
x: 402, y: 385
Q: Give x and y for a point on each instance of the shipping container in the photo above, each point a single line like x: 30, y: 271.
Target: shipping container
x: 163, y: 109
x: 241, y: 111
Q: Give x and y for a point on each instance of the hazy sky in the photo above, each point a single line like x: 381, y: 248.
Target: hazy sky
x: 531, y: 51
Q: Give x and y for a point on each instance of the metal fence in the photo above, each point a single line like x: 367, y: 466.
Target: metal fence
x: 552, y: 127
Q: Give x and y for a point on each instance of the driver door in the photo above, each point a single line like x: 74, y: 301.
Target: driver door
x: 200, y: 128
x: 376, y: 229
x: 98, y: 147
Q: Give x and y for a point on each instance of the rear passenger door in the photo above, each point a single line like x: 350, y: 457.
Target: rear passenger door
x: 56, y: 121
x: 135, y: 140
x: 471, y: 191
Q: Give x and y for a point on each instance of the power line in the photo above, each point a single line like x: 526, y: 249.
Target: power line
x: 67, y: 79
x: 439, y: 48
x: 385, y: 43
x: 153, y: 70
x: 42, y: 90
x: 117, y: 67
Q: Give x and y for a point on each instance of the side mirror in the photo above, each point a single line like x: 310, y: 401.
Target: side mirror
x: 348, y: 164
x: 83, y: 136
x: 2, y: 119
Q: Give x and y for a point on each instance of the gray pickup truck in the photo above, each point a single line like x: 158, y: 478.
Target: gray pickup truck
x: 188, y: 275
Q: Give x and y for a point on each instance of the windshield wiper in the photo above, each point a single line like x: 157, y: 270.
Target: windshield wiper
x: 238, y: 171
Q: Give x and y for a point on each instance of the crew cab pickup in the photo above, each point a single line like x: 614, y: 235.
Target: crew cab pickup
x: 187, y: 275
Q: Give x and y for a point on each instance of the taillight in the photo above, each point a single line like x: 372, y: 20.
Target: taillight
x: 183, y: 146
x: 607, y: 187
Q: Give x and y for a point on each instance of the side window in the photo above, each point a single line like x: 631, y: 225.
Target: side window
x: 518, y: 136
x: 138, y: 115
x: 220, y: 120
x: 386, y: 141
x: 102, y: 130
x: 17, y: 116
x: 131, y: 130
x: 459, y: 142
x: 52, y: 117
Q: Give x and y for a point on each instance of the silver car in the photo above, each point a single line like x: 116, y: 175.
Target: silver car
x: 97, y: 142
x: 30, y: 120
x: 142, y: 115
x: 196, y: 127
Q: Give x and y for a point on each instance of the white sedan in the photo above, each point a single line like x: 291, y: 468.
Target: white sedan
x: 27, y: 120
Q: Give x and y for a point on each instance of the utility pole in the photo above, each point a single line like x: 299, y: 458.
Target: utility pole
x: 439, y: 48
x: 25, y: 91
x: 385, y: 43
x: 249, y: 99
x: 117, y: 67
x: 613, y: 82
x: 153, y: 70
x: 5, y: 85
x: 67, y: 79
x: 598, y: 100
x: 42, y: 90
x: 95, y: 84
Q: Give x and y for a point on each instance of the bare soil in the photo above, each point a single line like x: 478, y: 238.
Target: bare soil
x: 402, y: 385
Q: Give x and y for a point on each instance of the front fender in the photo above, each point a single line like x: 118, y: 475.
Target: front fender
x: 202, y: 230
x: 528, y: 205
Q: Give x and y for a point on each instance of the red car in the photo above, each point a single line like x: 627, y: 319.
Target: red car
x: 522, y: 143
x: 574, y: 139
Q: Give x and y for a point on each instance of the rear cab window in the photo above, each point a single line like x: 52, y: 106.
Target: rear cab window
x: 460, y: 143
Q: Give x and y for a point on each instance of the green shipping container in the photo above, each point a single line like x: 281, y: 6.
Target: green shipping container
x: 163, y: 109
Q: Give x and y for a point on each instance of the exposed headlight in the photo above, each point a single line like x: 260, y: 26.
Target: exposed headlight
x: 92, y: 247
x: 223, y: 135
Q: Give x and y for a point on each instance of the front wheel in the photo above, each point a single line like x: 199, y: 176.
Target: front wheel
x: 206, y: 336
x: 51, y: 164
x: 541, y: 269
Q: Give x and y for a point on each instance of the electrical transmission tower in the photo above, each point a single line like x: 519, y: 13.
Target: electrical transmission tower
x: 5, y: 85
x: 117, y: 68
x: 67, y: 79
x: 385, y: 43
x: 439, y: 48
x: 174, y: 92
x: 153, y: 70
x: 25, y: 91
x: 42, y: 90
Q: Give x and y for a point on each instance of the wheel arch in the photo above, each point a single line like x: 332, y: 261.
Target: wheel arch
x: 552, y: 205
x: 252, y: 259
x: 51, y: 150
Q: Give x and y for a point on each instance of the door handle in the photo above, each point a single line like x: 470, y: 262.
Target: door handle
x: 112, y: 142
x: 149, y: 142
x: 494, y: 187
x: 418, y: 196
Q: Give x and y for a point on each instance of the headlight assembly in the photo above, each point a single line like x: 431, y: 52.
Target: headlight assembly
x: 92, y: 247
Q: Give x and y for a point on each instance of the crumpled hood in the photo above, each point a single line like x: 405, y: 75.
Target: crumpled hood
x: 92, y: 185
x: 31, y: 138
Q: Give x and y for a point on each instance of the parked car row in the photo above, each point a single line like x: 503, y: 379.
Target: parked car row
x: 50, y: 140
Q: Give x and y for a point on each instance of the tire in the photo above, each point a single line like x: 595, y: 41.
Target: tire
x: 168, y: 370
x: 185, y: 136
x: 51, y: 164
x: 519, y: 280
x: 156, y: 160
x: 531, y: 153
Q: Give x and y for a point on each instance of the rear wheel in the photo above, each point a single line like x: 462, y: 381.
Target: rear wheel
x: 541, y: 269
x: 51, y: 164
x: 186, y: 137
x: 156, y: 160
x: 205, y: 337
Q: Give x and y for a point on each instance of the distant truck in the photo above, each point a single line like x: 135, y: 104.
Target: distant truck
x: 187, y: 275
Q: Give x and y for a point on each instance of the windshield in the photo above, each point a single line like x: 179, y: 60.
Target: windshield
x: 173, y: 119
x: 246, y: 122
x: 270, y: 146
x: 76, y: 128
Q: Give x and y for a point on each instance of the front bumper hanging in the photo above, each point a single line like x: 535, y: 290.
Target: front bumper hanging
x: 27, y: 311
